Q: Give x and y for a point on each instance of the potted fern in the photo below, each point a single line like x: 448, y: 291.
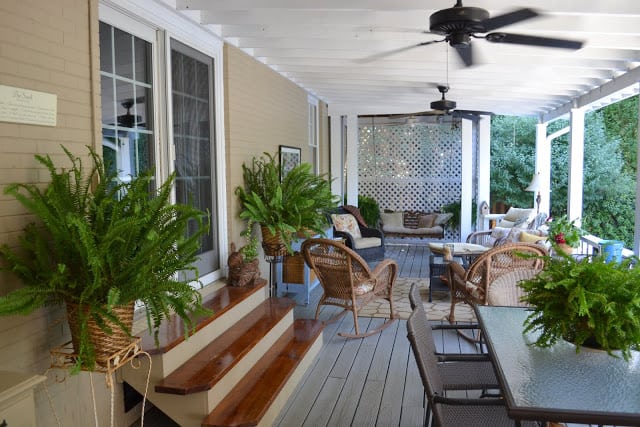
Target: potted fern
x: 285, y: 209
x: 589, y: 302
x: 99, y: 246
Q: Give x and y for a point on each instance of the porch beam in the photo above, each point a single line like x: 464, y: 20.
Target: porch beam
x: 466, y: 190
x: 621, y: 83
x: 352, y: 159
x: 484, y: 166
x: 335, y: 154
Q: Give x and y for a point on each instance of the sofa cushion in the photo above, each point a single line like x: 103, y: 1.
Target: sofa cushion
x: 427, y: 220
x: 498, y: 234
x: 346, y: 223
x: 393, y: 219
x: 442, y: 218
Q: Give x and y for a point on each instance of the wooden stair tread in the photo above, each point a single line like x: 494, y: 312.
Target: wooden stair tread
x: 171, y: 331
x: 207, y: 367
x: 249, y: 400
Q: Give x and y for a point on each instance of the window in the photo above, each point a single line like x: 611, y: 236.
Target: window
x: 127, y: 101
x: 313, y: 134
x: 183, y: 140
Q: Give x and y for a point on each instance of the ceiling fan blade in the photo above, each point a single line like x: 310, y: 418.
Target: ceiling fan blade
x: 466, y: 54
x: 533, y: 40
x: 508, y: 19
x: 382, y: 55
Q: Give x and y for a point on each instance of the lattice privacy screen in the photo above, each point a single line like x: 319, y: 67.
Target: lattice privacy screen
x: 410, y: 167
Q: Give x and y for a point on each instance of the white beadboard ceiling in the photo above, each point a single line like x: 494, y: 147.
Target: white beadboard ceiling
x: 336, y: 50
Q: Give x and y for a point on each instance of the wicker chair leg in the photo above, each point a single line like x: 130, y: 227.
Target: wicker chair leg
x: 369, y: 333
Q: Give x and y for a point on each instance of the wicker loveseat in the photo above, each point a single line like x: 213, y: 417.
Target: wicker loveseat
x: 417, y: 224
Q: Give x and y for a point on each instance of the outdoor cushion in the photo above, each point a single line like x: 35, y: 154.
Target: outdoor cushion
x: 367, y: 242
x: 393, y: 219
x: 517, y: 217
x: 346, y: 223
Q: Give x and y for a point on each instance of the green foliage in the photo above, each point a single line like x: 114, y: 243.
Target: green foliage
x: 369, y: 209
x: 297, y: 204
x: 249, y: 251
x: 610, y: 155
x: 101, y: 243
x: 561, y: 230
x: 512, y: 164
x: 455, y: 208
x: 584, y: 301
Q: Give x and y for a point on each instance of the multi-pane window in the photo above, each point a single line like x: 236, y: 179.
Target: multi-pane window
x: 130, y: 138
x: 127, y: 101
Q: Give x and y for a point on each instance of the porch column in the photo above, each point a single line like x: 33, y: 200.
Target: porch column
x: 576, y: 164
x: 335, y: 155
x: 466, y: 190
x: 543, y: 166
x: 484, y: 166
x: 352, y: 159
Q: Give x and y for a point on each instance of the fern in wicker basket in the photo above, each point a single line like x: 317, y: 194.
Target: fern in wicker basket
x: 101, y: 244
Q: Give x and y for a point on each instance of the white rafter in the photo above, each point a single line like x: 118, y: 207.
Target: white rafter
x: 335, y: 50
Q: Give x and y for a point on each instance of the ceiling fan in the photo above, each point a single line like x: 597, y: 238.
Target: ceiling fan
x: 459, y: 24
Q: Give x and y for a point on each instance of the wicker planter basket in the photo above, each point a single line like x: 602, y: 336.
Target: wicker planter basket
x: 104, y: 345
x: 272, y: 243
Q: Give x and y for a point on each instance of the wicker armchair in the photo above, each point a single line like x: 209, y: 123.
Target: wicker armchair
x: 347, y: 281
x: 516, y: 262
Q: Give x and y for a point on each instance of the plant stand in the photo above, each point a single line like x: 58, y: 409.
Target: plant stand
x: 273, y: 260
x: 63, y: 357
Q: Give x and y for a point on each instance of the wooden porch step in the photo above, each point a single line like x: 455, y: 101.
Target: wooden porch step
x: 211, y: 364
x: 171, y: 332
x: 250, y: 401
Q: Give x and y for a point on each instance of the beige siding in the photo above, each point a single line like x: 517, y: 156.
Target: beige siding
x: 48, y: 46
x: 262, y: 111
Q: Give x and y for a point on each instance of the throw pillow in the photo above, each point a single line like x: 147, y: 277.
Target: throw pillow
x: 346, y: 223
x: 441, y: 219
x: 530, y: 238
x: 426, y: 221
x: 393, y: 219
x: 353, y: 210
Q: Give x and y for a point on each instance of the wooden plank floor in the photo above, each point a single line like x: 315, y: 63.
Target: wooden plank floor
x: 372, y: 381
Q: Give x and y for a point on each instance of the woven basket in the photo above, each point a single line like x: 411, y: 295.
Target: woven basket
x: 272, y: 243
x: 105, y: 345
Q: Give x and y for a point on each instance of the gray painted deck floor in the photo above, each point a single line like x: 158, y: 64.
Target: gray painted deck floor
x: 363, y: 382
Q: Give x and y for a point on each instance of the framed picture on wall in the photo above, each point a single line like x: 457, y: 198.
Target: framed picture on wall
x: 290, y: 157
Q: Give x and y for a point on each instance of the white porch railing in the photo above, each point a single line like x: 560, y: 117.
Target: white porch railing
x: 590, y: 245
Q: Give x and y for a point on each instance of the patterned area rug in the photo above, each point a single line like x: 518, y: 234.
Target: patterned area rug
x: 436, y: 310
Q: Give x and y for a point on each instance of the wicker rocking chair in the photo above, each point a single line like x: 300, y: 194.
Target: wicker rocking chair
x: 347, y: 280
x: 510, y: 263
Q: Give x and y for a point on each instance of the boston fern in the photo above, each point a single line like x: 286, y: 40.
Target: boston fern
x: 588, y: 302
x: 100, y: 243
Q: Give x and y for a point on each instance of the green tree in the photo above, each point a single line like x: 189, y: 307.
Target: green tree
x: 610, y: 155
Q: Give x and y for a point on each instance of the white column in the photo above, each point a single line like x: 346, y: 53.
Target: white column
x: 335, y: 155
x: 466, y: 192
x: 484, y: 165
x: 576, y: 164
x: 543, y: 166
x: 352, y: 159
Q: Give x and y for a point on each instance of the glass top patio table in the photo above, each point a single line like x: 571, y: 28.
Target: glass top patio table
x: 556, y: 383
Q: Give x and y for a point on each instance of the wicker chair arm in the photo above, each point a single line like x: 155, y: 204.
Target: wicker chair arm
x: 459, y: 357
x: 370, y: 232
x: 385, y: 273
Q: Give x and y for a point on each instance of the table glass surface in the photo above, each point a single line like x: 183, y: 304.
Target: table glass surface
x: 589, y: 386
